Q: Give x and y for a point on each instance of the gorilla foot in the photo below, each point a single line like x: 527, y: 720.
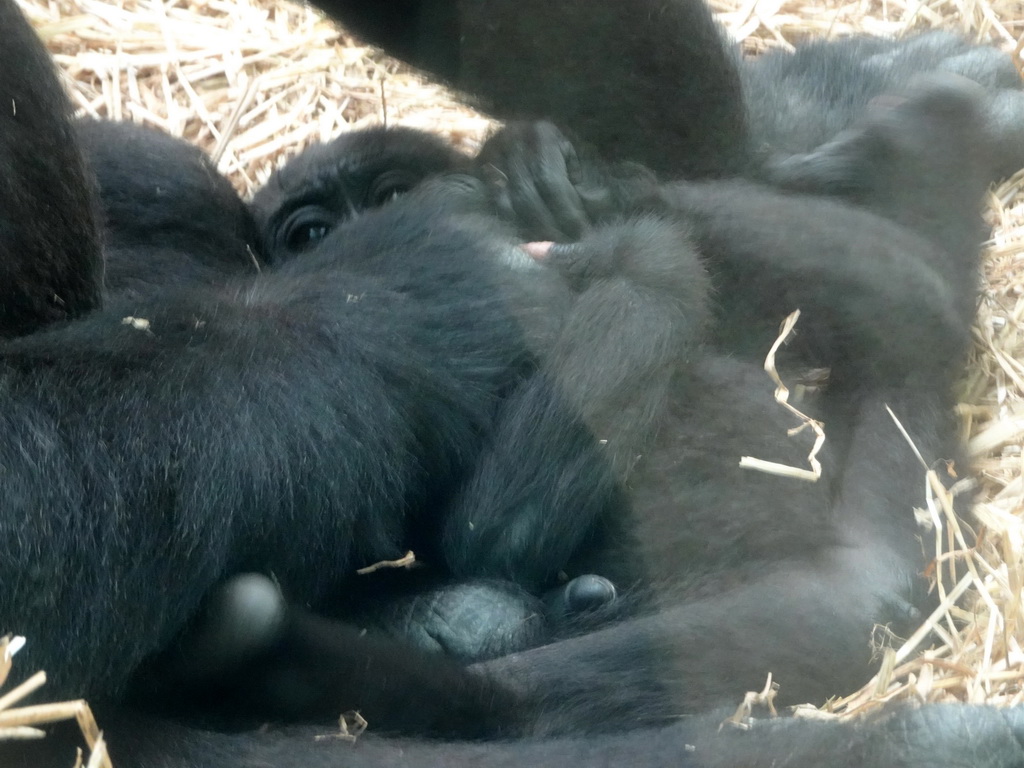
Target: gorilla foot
x: 922, y: 159
x: 240, y: 620
x: 926, y: 134
x: 986, y: 66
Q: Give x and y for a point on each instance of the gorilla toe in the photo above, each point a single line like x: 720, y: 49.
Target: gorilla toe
x: 583, y: 594
x: 243, y: 617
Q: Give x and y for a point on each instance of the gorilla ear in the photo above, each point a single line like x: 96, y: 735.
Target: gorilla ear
x: 54, y: 272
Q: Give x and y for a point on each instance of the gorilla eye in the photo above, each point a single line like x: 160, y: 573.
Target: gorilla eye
x: 388, y: 186
x: 305, y: 228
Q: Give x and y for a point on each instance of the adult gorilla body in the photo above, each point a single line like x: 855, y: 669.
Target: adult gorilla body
x: 199, y: 423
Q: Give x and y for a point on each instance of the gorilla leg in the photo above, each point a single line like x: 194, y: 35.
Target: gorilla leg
x: 931, y: 102
x: 936, y: 736
x: 801, y: 99
x: 934, y: 134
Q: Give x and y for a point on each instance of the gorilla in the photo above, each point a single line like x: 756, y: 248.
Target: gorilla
x: 170, y: 220
x: 418, y: 378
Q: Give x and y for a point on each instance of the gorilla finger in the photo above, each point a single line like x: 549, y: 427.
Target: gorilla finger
x: 242, y: 618
x: 566, y: 209
x: 533, y: 214
x: 516, y: 200
x: 558, y: 177
x: 538, y: 250
x: 538, y: 169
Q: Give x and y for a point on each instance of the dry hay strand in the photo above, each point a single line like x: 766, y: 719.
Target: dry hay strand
x: 762, y: 24
x: 22, y: 722
x: 813, y: 474
x: 254, y: 81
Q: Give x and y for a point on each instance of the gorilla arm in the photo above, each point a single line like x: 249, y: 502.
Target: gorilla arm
x: 641, y: 80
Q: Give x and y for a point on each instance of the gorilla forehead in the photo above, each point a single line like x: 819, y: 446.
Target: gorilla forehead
x: 348, y: 165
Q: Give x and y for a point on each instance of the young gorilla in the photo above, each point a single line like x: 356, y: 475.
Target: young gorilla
x: 677, y: 418
x: 258, y: 424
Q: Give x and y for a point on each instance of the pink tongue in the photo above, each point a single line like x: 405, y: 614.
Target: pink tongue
x: 537, y: 251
